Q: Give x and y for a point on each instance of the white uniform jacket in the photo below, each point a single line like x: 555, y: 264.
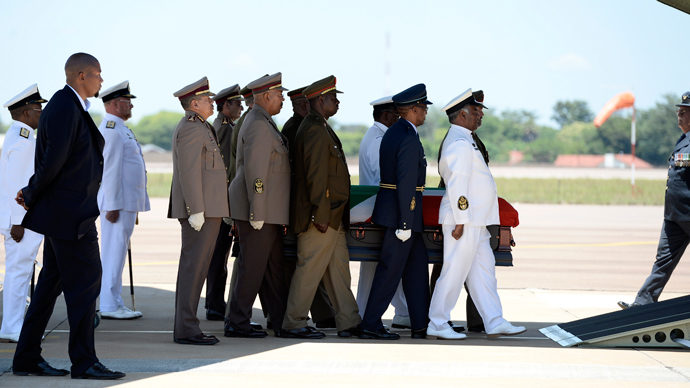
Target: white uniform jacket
x: 124, y: 173
x: 369, y: 171
x: 16, y: 168
x: 471, y: 197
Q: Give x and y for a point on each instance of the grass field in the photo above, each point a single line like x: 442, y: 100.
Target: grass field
x: 526, y: 190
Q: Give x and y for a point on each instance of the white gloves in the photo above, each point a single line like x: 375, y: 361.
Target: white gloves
x: 196, y: 221
x: 403, y: 234
x: 257, y: 224
x: 227, y: 220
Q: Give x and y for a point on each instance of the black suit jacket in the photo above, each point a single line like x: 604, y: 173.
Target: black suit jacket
x: 677, y: 201
x: 61, y: 195
x: 402, y: 163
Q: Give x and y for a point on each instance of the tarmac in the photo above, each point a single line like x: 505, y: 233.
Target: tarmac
x: 571, y: 262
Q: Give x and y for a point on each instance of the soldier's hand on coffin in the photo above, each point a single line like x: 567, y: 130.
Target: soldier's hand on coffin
x: 403, y: 234
x: 20, y: 200
x: 17, y: 233
x: 323, y: 228
x: 112, y: 215
x: 197, y: 221
x: 257, y: 224
x: 457, y: 233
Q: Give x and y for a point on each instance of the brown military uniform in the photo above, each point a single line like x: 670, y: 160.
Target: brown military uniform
x: 199, y: 185
x: 320, y: 193
x: 232, y: 168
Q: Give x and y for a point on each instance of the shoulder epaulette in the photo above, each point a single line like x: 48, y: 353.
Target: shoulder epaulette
x: 226, y: 121
x: 110, y: 124
x: 24, y: 133
x: 192, y: 118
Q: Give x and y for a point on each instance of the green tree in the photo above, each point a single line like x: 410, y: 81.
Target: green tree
x: 545, y: 148
x: 568, y: 112
x: 157, y: 128
x: 615, y: 134
x: 657, y: 131
x: 580, y: 138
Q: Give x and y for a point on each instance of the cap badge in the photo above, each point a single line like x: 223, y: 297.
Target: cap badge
x: 24, y: 133
x: 462, y: 203
x: 258, y: 186
x: 413, y: 204
x: 110, y: 124
x: 192, y: 118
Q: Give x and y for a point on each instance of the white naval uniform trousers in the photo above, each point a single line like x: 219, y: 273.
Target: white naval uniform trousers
x: 123, y: 188
x: 16, y: 168
x: 370, y: 175
x: 470, y: 200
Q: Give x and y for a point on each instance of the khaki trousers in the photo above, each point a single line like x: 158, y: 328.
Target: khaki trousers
x: 321, y: 256
x: 195, y: 257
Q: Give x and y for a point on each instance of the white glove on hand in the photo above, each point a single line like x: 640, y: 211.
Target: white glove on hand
x: 403, y: 234
x: 197, y: 221
x: 227, y: 220
x: 257, y: 224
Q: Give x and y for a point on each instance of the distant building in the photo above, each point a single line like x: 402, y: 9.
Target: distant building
x: 600, y: 161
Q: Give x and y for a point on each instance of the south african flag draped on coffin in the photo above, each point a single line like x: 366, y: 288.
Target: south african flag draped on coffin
x: 363, y: 198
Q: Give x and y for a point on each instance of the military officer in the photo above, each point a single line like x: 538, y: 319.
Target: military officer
x: 300, y: 108
x: 398, y: 209
x: 122, y: 194
x: 384, y: 117
x: 21, y: 245
x: 322, y: 311
x: 199, y: 200
x: 474, y: 319
x: 675, y: 231
x: 259, y: 203
x: 319, y: 213
x: 468, y: 206
x: 229, y: 104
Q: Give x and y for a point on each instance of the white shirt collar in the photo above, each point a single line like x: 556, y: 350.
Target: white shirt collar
x: 111, y: 117
x: 86, y: 104
x: 413, y: 126
x: 380, y: 126
x: 20, y: 124
x: 461, y: 129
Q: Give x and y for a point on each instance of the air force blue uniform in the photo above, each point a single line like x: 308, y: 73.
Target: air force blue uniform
x: 399, y: 206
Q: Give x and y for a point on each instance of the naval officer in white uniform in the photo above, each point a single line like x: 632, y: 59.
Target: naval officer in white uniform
x: 370, y: 175
x: 21, y: 245
x: 121, y: 196
x: 468, y: 206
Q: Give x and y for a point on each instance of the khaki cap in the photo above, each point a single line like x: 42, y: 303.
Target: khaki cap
x: 196, y: 89
x: 231, y: 93
x: 321, y: 87
x: 266, y: 83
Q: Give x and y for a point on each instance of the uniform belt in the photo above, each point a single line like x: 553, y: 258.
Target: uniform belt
x: 394, y: 187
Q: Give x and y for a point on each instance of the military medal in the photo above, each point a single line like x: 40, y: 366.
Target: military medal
x: 462, y: 203
x: 258, y: 186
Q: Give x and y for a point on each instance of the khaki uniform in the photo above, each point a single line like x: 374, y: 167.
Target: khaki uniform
x: 320, y: 193
x: 233, y: 145
x: 259, y: 192
x: 199, y: 185
x: 224, y: 128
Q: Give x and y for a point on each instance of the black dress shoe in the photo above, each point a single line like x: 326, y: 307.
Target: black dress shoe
x: 476, y: 329
x: 231, y: 331
x: 98, y: 371
x: 456, y: 328
x: 328, y: 323
x: 212, y: 315
x: 419, y: 333
x: 40, y: 369
x: 381, y: 334
x: 353, y: 331
x: 256, y: 326
x: 199, y: 339
x: 269, y: 326
x: 307, y: 332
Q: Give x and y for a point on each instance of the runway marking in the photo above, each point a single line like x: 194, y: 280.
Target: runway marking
x: 620, y: 244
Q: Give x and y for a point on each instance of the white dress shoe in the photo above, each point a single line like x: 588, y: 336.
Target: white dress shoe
x: 505, y: 328
x: 400, y: 322
x: 446, y: 334
x: 138, y: 313
x: 12, y: 337
x: 121, y: 313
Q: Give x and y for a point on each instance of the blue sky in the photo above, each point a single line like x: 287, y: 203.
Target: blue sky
x: 523, y: 54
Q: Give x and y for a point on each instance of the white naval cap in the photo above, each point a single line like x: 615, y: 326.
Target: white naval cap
x: 119, y: 90
x: 459, y: 102
x: 29, y: 96
x: 382, y: 101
